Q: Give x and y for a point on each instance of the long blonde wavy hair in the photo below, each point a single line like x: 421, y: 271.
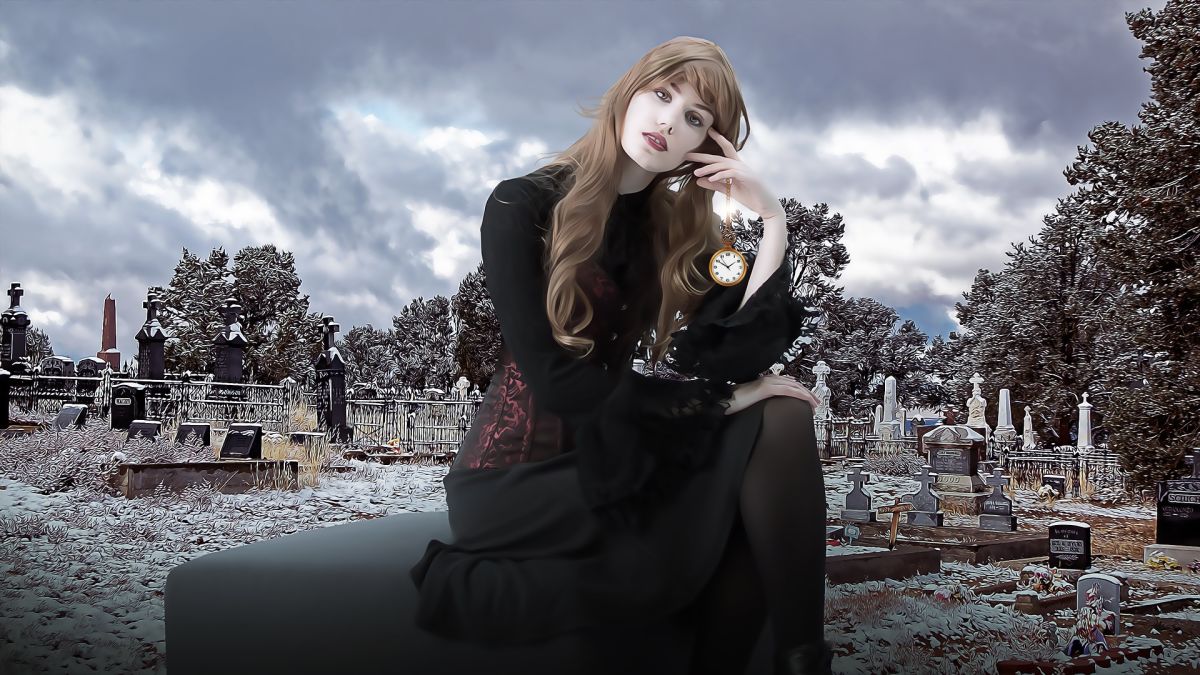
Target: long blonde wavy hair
x: 686, y: 230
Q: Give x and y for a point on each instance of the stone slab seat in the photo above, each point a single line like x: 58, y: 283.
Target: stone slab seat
x: 339, y: 599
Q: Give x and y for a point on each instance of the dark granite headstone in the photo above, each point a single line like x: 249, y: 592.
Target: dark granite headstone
x: 858, y: 502
x: 1070, y: 545
x: 926, y: 502
x: 14, y: 327
x: 72, y: 415
x: 997, y: 508
x: 229, y: 345
x: 1178, y: 512
x: 128, y: 404
x: 51, y: 366
x: 147, y: 429
x: 1057, y: 482
x: 90, y: 367
x: 201, y: 429
x: 1108, y: 589
x: 243, y: 441
x: 151, y: 340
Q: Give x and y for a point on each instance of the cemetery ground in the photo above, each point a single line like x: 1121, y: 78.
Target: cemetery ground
x: 83, y: 569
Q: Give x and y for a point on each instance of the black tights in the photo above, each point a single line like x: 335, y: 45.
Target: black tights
x: 774, y: 563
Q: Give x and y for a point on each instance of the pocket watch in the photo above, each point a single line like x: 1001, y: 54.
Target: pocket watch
x: 727, y: 266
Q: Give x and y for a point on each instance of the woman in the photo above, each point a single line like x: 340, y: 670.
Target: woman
x: 587, y: 494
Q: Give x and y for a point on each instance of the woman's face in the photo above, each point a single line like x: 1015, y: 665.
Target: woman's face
x: 674, y: 112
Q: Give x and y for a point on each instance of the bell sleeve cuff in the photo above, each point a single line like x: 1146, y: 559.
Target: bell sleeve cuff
x: 725, y: 343
x: 645, y: 436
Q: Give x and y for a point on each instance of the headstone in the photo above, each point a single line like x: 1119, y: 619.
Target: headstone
x: 1005, y: 431
x: 72, y: 415
x: 4, y: 388
x: 890, y: 427
x: 462, y: 385
x: 89, y: 366
x: 1179, y: 509
x: 1101, y: 590
x: 1070, y: 545
x: 920, y: 430
x: 954, y: 459
x: 1084, y: 441
x: 976, y: 405
x: 242, y: 441
x: 202, y: 430
x: 821, y: 390
x: 151, y: 338
x: 128, y: 404
x: 997, y: 508
x: 878, y: 427
x: 331, y: 383
x: 1030, y: 441
x: 147, y: 429
x: 14, y: 326
x: 229, y: 345
x: 858, y: 501
x: 52, y: 366
x: 1059, y: 483
x: 926, y: 502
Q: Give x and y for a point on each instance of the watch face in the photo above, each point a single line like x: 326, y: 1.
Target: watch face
x: 727, y: 266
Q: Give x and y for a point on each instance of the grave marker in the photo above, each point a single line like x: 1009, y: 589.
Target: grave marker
x: 128, y: 404
x: 997, y: 508
x: 926, y: 503
x: 895, y: 509
x: 201, y: 429
x: 1179, y: 509
x: 1070, y: 545
x: 72, y: 415
x: 1057, y: 482
x: 1104, y: 590
x: 242, y: 441
x: 858, y: 501
x: 147, y: 429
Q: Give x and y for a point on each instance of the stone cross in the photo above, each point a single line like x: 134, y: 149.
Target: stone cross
x: 152, y: 306
x: 857, y: 478
x: 998, y: 481
x: 230, y: 311
x: 895, y: 509
x: 329, y: 331
x: 976, y: 380
x: 925, y: 478
x: 14, y: 295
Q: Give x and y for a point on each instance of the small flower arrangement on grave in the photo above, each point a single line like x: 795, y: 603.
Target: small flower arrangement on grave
x: 1042, y: 580
x: 954, y: 591
x: 1048, y: 494
x: 1163, y: 562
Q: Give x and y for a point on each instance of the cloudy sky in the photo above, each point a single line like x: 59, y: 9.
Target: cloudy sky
x: 365, y: 137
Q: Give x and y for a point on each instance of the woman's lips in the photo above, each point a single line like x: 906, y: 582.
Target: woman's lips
x: 655, y: 142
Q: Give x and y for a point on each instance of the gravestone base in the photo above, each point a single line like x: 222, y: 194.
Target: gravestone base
x: 967, y: 503
x: 961, y: 544
x: 995, y: 523
x: 859, y: 516
x: 960, y: 483
x: 230, y: 476
x: 900, y: 563
x: 1183, y: 555
x: 925, y: 518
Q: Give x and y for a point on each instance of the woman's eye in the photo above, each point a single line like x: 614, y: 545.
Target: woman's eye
x: 699, y: 120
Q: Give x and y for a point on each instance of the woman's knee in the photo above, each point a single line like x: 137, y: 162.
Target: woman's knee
x: 788, y: 409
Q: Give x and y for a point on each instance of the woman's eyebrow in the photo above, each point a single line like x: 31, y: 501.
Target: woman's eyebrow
x: 698, y: 105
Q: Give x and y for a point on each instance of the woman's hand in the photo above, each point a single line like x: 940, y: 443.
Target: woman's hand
x: 747, y: 394
x: 746, y: 189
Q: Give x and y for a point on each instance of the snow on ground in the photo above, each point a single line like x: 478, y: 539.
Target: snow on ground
x: 84, y: 563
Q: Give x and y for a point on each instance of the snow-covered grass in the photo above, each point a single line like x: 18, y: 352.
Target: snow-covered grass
x: 83, y: 569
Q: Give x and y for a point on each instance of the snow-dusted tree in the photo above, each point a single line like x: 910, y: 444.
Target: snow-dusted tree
x: 477, y: 338
x: 189, y: 315
x: 369, y: 355
x: 1142, y: 185
x: 424, y: 344
x: 284, y: 336
x: 863, y: 345
x: 37, y: 345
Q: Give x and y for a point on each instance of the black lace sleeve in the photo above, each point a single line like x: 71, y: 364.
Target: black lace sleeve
x: 726, y: 343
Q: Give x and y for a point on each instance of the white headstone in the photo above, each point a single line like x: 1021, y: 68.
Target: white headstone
x: 976, y: 405
x: 821, y: 390
x: 878, y: 418
x: 1085, y: 424
x: 1030, y: 440
x: 889, y: 399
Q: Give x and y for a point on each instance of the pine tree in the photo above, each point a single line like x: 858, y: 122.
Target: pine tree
x: 423, y: 344
x: 369, y: 355
x: 1142, y: 186
x: 477, y: 338
x: 37, y: 346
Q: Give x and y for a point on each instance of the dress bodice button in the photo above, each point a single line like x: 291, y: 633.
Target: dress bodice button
x: 612, y: 337
x: 624, y: 307
x: 604, y: 366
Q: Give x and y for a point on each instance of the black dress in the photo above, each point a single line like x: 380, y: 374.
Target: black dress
x: 587, y: 494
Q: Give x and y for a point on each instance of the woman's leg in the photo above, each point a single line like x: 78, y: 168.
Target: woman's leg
x: 730, y: 611
x: 783, y: 510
